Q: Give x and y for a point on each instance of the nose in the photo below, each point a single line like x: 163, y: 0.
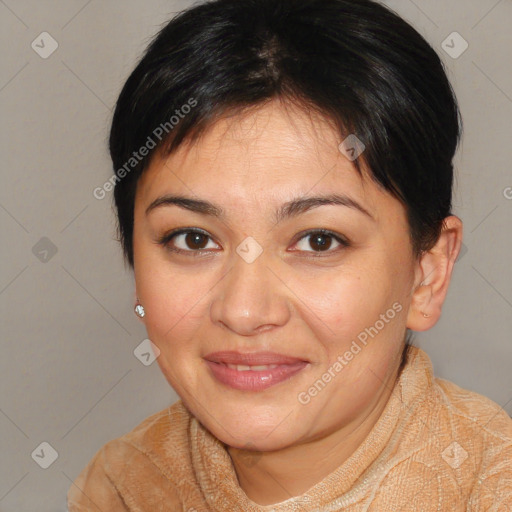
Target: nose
x: 251, y: 298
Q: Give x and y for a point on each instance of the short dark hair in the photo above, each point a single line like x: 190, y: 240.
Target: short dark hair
x: 355, y: 62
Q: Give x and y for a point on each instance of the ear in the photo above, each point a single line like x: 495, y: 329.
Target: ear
x: 432, y: 277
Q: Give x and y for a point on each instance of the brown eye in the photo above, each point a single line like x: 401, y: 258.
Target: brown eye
x: 188, y: 241
x: 321, y: 241
x: 195, y: 240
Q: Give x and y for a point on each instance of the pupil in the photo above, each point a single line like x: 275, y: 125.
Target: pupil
x: 194, y: 240
x: 321, y: 244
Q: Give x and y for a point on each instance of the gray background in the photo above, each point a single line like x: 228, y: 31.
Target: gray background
x: 69, y: 374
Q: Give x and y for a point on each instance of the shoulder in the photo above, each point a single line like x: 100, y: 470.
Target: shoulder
x: 471, y: 440
x: 477, y: 423
x: 455, y: 410
x: 159, y: 432
x: 143, y: 459
x: 481, y: 432
x: 458, y: 440
x: 475, y: 411
x: 159, y: 439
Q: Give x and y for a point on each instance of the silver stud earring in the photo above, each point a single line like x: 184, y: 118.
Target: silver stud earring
x: 139, y: 310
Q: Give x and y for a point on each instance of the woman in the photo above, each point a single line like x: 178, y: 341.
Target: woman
x: 283, y: 180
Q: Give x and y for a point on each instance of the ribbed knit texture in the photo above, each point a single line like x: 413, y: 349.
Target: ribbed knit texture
x: 435, y: 447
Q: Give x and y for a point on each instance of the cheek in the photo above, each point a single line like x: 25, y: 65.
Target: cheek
x: 342, y: 303
x: 358, y: 317
x: 177, y: 307
x: 175, y: 301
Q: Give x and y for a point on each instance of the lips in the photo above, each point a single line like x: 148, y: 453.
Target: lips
x: 253, y: 371
x: 251, y: 358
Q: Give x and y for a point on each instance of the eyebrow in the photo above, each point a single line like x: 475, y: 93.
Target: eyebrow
x: 289, y: 209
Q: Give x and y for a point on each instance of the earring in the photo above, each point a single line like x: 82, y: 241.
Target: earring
x: 425, y: 315
x: 139, y: 310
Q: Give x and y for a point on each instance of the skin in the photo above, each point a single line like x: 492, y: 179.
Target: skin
x: 294, y: 299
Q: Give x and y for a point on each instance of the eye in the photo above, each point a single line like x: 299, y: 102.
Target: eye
x: 187, y: 241
x: 321, y: 240
x: 194, y: 242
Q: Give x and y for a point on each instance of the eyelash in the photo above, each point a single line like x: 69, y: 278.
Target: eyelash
x: 166, y: 238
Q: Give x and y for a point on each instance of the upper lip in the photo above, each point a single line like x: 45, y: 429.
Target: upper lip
x: 251, y: 358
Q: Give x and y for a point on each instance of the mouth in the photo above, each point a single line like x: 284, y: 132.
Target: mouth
x: 254, y: 371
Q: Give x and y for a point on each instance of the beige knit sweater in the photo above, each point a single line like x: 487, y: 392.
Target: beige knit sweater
x: 436, y: 447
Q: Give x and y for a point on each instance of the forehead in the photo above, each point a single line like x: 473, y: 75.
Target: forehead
x: 270, y: 153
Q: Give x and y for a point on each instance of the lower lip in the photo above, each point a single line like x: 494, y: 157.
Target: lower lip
x: 251, y: 380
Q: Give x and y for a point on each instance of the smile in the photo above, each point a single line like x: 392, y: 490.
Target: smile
x: 254, y: 378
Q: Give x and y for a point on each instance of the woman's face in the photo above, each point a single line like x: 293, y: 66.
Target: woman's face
x: 253, y: 280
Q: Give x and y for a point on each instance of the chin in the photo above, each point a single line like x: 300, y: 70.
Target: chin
x: 251, y: 431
